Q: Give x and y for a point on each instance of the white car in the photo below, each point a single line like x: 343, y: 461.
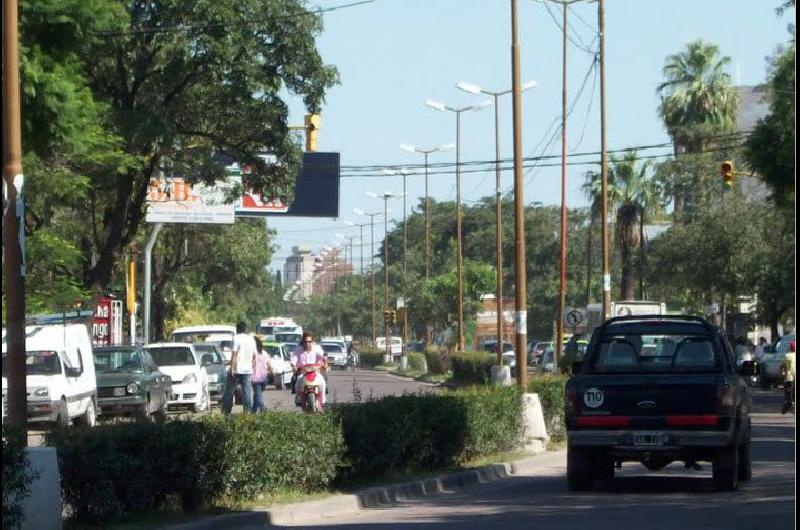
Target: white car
x: 281, y: 375
x: 395, y: 345
x: 336, y: 354
x: 221, y: 335
x: 180, y: 361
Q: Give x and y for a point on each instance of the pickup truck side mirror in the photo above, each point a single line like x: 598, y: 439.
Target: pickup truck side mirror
x: 73, y: 372
x: 577, y: 366
x: 749, y: 368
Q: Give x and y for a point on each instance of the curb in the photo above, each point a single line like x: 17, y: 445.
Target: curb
x: 379, y: 496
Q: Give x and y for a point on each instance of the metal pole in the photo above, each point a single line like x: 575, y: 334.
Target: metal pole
x: 388, y: 353
x: 404, y: 360
x: 361, y: 246
x: 460, y: 343
x: 148, y: 260
x: 499, y: 237
x: 13, y: 223
x: 372, y: 270
x: 521, y: 320
x: 603, y: 165
x: 563, y: 282
x: 427, y: 223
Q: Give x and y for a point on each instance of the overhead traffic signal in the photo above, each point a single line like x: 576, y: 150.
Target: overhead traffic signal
x: 726, y: 170
x: 313, y: 123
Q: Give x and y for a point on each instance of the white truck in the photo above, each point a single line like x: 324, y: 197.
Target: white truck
x: 60, y: 378
x: 280, y: 329
x: 594, y: 312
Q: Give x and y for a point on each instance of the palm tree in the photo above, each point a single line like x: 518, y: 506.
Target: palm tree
x: 697, y: 102
x: 632, y: 193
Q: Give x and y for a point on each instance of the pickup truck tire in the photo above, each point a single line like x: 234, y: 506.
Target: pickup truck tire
x: 279, y: 381
x: 602, y: 468
x: 725, y: 469
x: 579, y: 476
x: 745, y: 460
x: 63, y: 413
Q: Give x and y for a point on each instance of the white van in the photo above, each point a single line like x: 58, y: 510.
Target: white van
x: 220, y: 335
x: 395, y: 345
x: 60, y: 374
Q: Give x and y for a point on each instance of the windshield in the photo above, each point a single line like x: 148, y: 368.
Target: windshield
x: 332, y: 348
x: 656, y: 353
x: 39, y: 363
x: 108, y: 361
x: 208, y: 349
x: 172, y: 356
x: 783, y: 345
x: 288, y: 337
x: 194, y: 337
x: 272, y: 350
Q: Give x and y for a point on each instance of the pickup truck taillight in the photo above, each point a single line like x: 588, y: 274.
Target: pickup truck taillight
x: 725, y: 396
x: 570, y: 400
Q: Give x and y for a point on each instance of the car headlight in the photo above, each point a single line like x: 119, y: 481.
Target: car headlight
x: 41, y: 392
x: 190, y: 378
x: 132, y: 388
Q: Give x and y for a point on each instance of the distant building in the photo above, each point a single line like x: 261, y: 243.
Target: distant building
x: 329, y: 266
x: 299, y: 267
x: 753, y: 106
x: 486, y: 325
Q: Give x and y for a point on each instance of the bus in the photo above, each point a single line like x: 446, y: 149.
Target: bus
x: 280, y: 329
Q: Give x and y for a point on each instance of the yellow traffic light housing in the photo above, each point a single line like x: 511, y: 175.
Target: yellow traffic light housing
x: 313, y: 123
x: 387, y: 316
x: 726, y: 170
x: 393, y: 317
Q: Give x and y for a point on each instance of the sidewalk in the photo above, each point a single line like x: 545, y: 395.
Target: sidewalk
x: 343, y: 504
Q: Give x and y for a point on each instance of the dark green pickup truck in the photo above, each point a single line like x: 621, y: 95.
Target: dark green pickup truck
x: 658, y: 389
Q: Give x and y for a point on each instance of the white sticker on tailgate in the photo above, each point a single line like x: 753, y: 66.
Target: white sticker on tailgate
x: 593, y: 397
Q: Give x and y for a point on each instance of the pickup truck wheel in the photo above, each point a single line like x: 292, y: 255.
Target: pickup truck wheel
x: 62, y: 419
x: 725, y: 469
x: 745, y: 460
x: 603, y: 468
x: 579, y: 476
x: 279, y: 381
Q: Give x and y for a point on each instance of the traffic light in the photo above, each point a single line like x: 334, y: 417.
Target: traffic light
x: 313, y: 123
x: 393, y: 317
x: 726, y: 170
x: 387, y: 317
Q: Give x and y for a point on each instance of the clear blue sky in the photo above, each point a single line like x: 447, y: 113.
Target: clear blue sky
x: 392, y: 55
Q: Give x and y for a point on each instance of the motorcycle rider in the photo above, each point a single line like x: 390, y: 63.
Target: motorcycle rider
x: 307, y: 352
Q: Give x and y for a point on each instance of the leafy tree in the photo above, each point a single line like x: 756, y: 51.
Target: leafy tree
x: 697, y: 103
x: 769, y: 150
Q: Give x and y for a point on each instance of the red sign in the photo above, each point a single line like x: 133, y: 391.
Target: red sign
x: 101, y: 323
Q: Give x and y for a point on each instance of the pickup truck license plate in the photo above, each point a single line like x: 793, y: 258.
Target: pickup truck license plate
x: 648, y: 438
x: 119, y: 391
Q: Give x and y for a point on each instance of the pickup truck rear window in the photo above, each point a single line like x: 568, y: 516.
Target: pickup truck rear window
x: 655, y: 354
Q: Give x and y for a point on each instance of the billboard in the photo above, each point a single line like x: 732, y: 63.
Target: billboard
x: 173, y: 200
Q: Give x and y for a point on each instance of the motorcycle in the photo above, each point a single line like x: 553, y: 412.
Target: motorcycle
x: 310, y: 388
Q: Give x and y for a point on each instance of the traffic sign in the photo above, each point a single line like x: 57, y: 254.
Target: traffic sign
x: 575, y: 320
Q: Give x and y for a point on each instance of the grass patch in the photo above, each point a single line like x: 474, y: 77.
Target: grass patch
x: 391, y: 367
x: 435, y: 378
x: 414, y: 374
x: 556, y: 444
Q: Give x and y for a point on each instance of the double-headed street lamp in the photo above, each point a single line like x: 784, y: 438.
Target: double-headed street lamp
x: 361, y: 246
x: 475, y: 89
x: 359, y: 211
x: 457, y: 111
x: 385, y: 196
x: 426, y: 152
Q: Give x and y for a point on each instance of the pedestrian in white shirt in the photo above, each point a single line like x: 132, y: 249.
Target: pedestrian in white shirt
x: 241, y: 370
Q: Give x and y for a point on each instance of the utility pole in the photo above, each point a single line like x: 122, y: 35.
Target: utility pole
x: 520, y: 320
x: 603, y: 163
x: 563, y: 283
x: 371, y: 262
x: 13, y: 222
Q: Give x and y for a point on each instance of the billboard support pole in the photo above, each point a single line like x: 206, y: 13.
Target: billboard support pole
x: 148, y: 254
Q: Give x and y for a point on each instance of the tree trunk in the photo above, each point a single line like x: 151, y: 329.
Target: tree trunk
x: 642, y: 256
x: 626, y: 285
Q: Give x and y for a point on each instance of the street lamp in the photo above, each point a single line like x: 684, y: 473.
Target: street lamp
x: 426, y: 152
x: 361, y: 246
x: 437, y: 105
x: 359, y: 211
x: 475, y: 89
x: 385, y: 196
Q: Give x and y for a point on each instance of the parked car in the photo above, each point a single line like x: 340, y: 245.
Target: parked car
x: 416, y: 346
x: 395, y: 345
x: 336, y: 354
x: 221, y: 335
x: 656, y: 389
x: 281, y: 375
x: 509, y: 356
x: 189, y: 379
x: 538, y: 350
x: 770, y: 365
x: 129, y: 383
x: 217, y: 369
x: 60, y: 379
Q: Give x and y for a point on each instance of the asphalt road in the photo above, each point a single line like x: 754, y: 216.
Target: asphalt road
x: 673, y: 498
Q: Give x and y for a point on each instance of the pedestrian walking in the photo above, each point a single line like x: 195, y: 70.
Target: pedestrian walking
x: 261, y: 368
x: 241, y: 370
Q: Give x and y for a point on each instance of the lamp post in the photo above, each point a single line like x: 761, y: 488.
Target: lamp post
x: 350, y: 262
x: 426, y: 152
x: 403, y: 359
x: 371, y: 216
x: 457, y: 111
x: 475, y: 89
x: 361, y: 246
x: 385, y: 196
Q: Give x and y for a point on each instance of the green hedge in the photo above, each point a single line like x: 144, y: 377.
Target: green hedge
x: 551, y: 394
x: 370, y: 358
x: 116, y: 470
x: 17, y: 476
x: 416, y: 360
x: 410, y: 433
x: 438, y: 360
x: 473, y: 368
